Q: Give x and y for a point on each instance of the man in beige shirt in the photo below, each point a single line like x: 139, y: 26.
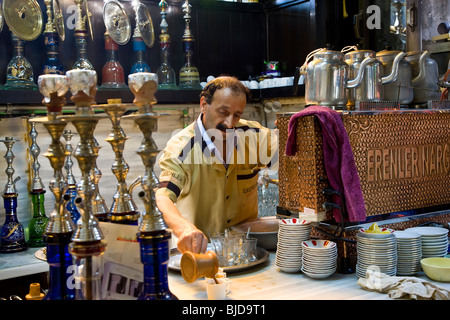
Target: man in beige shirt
x: 209, y: 170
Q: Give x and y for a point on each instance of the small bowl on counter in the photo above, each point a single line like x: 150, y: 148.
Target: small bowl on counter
x: 436, y: 268
x: 265, y: 229
x: 379, y: 234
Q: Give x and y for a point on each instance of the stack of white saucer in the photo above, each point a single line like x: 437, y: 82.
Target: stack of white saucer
x: 434, y: 241
x: 409, y: 252
x: 319, y: 258
x: 378, y: 250
x: 291, y: 233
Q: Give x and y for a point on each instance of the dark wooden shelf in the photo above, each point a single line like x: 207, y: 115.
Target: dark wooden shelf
x: 20, y: 101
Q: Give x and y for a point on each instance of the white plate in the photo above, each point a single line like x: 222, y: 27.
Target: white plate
x: 429, y: 231
x: 290, y: 270
x: 406, y: 235
x: 318, y: 275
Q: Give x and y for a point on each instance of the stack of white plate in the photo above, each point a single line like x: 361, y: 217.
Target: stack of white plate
x: 409, y: 252
x: 434, y: 240
x: 319, y: 259
x: 378, y: 250
x: 291, y: 234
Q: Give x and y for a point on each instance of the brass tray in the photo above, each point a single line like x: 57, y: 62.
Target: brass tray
x: 261, y: 256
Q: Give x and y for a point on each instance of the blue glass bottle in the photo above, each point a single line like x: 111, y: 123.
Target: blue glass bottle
x: 140, y: 65
x: 155, y: 257
x: 60, y: 261
x: 71, y: 206
x: 52, y: 64
x: 12, y: 236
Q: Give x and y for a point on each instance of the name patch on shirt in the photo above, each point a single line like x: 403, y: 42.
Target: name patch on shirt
x: 251, y: 188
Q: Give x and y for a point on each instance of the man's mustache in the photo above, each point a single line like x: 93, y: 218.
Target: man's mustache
x: 223, y: 127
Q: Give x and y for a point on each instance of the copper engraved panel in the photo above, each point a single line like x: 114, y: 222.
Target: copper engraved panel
x: 403, y: 161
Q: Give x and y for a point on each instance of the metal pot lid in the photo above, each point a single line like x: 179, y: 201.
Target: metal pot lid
x: 24, y: 18
x: 329, y: 54
x: 145, y: 25
x: 117, y: 22
x: 59, y: 20
x: 360, y: 54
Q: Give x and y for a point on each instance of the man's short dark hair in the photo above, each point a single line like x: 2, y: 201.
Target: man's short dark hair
x: 224, y: 82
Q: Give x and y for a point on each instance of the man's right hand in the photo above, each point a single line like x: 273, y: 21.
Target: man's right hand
x: 192, y: 239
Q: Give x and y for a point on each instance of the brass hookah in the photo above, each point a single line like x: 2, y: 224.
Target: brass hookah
x: 123, y: 209
x: 118, y: 32
x: 24, y: 19
x: 98, y: 202
x: 54, y: 28
x: 166, y: 74
x: 59, y: 230
x: 12, y: 236
x: 143, y: 36
x: 87, y: 246
x: 152, y: 233
x: 37, y: 190
x: 81, y: 36
x: 71, y: 183
x: 189, y: 75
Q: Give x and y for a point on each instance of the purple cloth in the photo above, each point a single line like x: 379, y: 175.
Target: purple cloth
x: 338, y: 160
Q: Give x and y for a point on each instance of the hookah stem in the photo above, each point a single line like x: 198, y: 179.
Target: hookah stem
x: 88, y: 265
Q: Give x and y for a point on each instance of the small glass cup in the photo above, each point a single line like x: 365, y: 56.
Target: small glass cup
x: 250, y: 249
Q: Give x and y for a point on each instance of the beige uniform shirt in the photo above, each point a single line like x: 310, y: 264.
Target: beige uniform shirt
x: 211, y: 195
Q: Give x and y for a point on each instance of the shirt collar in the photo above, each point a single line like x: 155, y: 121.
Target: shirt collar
x: 232, y: 141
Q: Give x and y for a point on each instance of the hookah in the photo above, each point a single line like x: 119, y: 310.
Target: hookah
x: 53, y: 28
x: 118, y: 32
x: 100, y: 208
x: 166, y: 74
x: 123, y: 209
x: 24, y: 19
x: 39, y: 220
x: 143, y: 35
x: 152, y: 235
x: 60, y: 227
x: 81, y: 36
x: 87, y: 246
x: 189, y: 75
x: 70, y: 182
x: 12, y: 236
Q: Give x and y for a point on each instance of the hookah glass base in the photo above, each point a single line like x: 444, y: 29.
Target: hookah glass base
x: 155, y: 257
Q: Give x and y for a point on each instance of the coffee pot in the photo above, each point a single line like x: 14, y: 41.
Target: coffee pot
x: 401, y: 89
x: 326, y: 78
x: 371, y: 86
x: 425, y: 74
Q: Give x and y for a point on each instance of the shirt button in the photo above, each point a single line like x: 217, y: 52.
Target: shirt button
x: 228, y: 221
x: 228, y: 197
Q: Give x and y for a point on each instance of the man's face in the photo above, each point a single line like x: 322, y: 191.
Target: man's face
x: 225, y: 110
